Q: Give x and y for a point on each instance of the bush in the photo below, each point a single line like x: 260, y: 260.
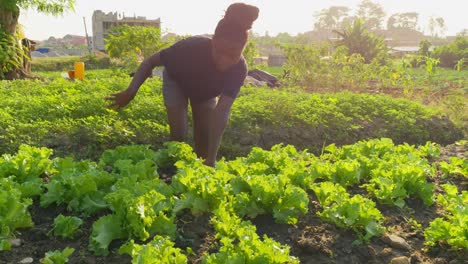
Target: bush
x: 450, y: 54
x: 265, y: 118
x: 308, y: 66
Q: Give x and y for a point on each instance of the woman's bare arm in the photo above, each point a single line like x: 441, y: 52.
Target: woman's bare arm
x: 144, y: 71
x: 123, y: 98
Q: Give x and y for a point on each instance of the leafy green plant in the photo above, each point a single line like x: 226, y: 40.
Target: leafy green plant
x: 392, y: 185
x: 104, y: 230
x: 260, y: 194
x: 356, y: 213
x: 28, y: 164
x: 267, y: 190
x: 4, y: 244
x: 160, y: 250
x: 393, y: 172
x: 57, y: 256
x: 132, y: 154
x: 28, y: 167
x: 431, y: 65
x: 142, y: 204
x: 450, y: 231
x: 414, y: 224
x: 79, y: 185
x: 460, y: 64
x: 280, y: 160
x: 143, y: 215
x: 456, y: 166
x: 66, y: 226
x: 174, y: 152
x: 241, y: 244
x: 201, y: 188
x: 14, y: 212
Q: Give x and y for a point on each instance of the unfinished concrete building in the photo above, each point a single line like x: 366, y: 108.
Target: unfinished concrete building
x: 103, y: 22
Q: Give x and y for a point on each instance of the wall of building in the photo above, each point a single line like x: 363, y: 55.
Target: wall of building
x: 103, y: 22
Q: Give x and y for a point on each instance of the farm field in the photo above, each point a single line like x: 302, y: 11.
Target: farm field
x: 358, y: 177
x: 351, y: 147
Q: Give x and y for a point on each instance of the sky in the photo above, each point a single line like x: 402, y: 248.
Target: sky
x: 201, y: 16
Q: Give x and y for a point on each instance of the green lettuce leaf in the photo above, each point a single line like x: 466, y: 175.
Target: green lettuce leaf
x: 105, y: 229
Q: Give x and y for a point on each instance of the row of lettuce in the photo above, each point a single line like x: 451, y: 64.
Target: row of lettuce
x: 72, y: 118
x: 143, y: 208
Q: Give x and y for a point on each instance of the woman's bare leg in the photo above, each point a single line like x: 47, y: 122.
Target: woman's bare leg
x: 177, y: 117
x: 176, y: 105
x: 201, y: 113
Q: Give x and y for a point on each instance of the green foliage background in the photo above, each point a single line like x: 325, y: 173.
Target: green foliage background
x: 132, y: 44
x: 71, y: 117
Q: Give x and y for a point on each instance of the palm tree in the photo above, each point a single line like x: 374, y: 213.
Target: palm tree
x: 359, y: 40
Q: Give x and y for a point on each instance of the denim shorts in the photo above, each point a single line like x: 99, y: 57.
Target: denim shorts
x: 174, y: 95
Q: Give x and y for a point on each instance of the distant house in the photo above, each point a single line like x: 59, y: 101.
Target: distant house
x: 74, y: 40
x: 66, y: 41
x: 103, y: 22
x: 403, y: 37
x: 276, y: 60
x: 401, y: 51
x: 261, y: 60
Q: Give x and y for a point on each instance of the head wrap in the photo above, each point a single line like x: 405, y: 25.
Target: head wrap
x: 236, y: 22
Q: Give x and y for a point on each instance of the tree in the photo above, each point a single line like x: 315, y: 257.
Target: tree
x: 284, y: 37
x: 407, y: 20
x: 372, y: 14
x: 331, y: 18
x: 359, y: 40
x: 10, y: 47
x: 440, y: 22
x: 132, y: 44
x: 424, y: 47
x: 437, y: 27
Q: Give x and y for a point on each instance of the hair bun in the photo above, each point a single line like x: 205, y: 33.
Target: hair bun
x: 242, y: 15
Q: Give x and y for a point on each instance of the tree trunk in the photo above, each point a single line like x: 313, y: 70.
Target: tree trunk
x: 9, y: 20
x: 9, y: 24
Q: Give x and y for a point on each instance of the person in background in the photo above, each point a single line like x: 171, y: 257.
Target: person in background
x: 207, y: 72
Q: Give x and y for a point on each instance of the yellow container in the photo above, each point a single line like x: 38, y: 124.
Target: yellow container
x: 79, y: 70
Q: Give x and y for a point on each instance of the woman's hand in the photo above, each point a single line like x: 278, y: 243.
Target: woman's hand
x: 121, y: 99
